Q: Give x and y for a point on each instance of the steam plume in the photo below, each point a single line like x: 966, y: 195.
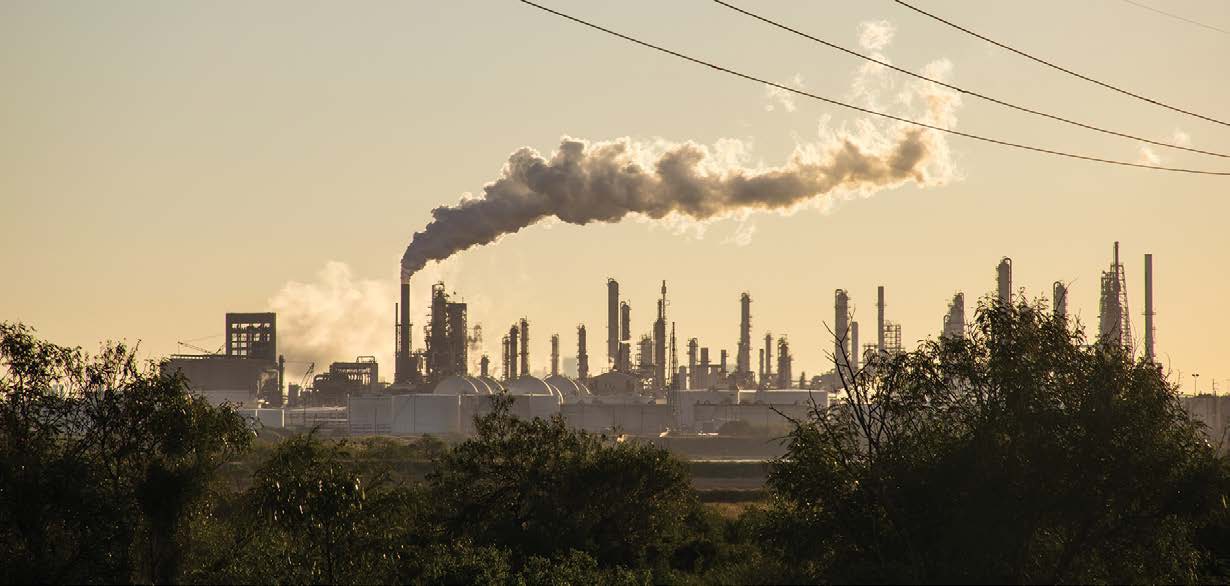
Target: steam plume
x: 584, y: 182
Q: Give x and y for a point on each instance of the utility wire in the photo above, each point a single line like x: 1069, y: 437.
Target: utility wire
x: 865, y: 110
x: 1177, y: 17
x: 963, y: 90
x: 1060, y: 68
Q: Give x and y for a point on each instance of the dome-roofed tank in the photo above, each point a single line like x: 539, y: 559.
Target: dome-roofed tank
x: 456, y: 385
x: 481, y: 385
x: 493, y: 384
x: 531, y: 385
x: 568, y: 388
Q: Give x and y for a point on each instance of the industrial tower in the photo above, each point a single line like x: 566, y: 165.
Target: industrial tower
x: 1114, y: 321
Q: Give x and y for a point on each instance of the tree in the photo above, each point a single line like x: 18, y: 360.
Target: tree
x: 538, y: 488
x: 1017, y: 453
x: 102, y: 462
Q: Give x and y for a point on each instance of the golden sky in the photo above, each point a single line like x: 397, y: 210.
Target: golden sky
x: 164, y: 162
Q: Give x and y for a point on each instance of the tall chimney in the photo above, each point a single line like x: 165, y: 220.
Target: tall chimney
x: 855, y: 352
x: 1059, y: 298
x: 401, y: 365
x: 483, y: 364
x: 659, y: 344
x: 841, y: 321
x: 1149, y: 355
x: 612, y: 321
x: 768, y: 357
x: 1003, y: 278
x: 743, y: 356
x: 513, y: 333
x: 525, y: 347
x: 880, y: 319
x: 723, y: 362
x: 554, y: 354
x: 582, y: 355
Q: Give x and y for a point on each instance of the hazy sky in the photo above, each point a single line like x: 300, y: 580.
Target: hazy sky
x: 162, y: 163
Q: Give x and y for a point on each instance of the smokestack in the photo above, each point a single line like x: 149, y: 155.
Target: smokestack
x: 880, y: 319
x: 723, y: 362
x: 513, y: 334
x: 743, y: 358
x: 625, y: 322
x: 401, y: 365
x: 483, y: 364
x: 582, y: 354
x: 768, y: 357
x: 525, y: 347
x: 841, y: 322
x: 855, y: 352
x: 1003, y: 278
x: 1059, y: 298
x: 1149, y: 355
x: 692, y: 350
x: 554, y: 354
x: 659, y: 344
x: 612, y: 321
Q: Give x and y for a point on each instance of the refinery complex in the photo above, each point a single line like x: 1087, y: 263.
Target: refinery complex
x: 654, y: 381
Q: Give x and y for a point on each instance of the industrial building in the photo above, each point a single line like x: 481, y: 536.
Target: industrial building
x: 643, y: 390
x: 249, y: 373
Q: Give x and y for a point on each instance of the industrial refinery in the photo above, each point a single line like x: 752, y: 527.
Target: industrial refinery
x: 442, y: 378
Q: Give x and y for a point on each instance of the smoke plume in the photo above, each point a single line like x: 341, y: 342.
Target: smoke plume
x: 584, y: 182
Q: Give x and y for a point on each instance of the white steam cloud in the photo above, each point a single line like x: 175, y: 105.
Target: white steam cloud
x: 584, y: 181
x: 334, y: 317
x: 680, y: 182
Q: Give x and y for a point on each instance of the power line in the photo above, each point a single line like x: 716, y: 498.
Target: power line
x: 1177, y: 17
x: 963, y: 90
x: 861, y: 109
x: 1059, y: 68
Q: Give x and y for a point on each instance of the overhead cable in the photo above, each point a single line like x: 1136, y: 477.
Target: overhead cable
x: 866, y: 110
x: 963, y: 90
x: 1060, y: 68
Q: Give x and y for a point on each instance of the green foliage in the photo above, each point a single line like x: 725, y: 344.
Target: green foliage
x: 539, y: 488
x: 103, y: 462
x: 1015, y: 454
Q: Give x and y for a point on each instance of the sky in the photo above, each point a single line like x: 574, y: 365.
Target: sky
x: 162, y: 163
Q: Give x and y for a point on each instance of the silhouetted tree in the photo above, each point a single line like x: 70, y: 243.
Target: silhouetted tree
x: 102, y: 463
x: 1017, y: 453
x: 539, y: 488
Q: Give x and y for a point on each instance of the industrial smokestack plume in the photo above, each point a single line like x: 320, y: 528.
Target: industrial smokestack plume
x: 1149, y: 355
x: 1003, y: 278
x: 880, y: 319
x: 1059, y: 296
x: 584, y: 182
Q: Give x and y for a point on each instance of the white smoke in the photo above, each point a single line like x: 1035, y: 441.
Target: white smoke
x: 776, y: 96
x: 685, y: 182
x: 875, y: 35
x: 338, y: 316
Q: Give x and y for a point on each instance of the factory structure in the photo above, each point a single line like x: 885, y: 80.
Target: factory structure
x: 643, y: 388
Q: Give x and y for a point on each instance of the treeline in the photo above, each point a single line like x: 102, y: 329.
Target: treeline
x: 1017, y: 453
